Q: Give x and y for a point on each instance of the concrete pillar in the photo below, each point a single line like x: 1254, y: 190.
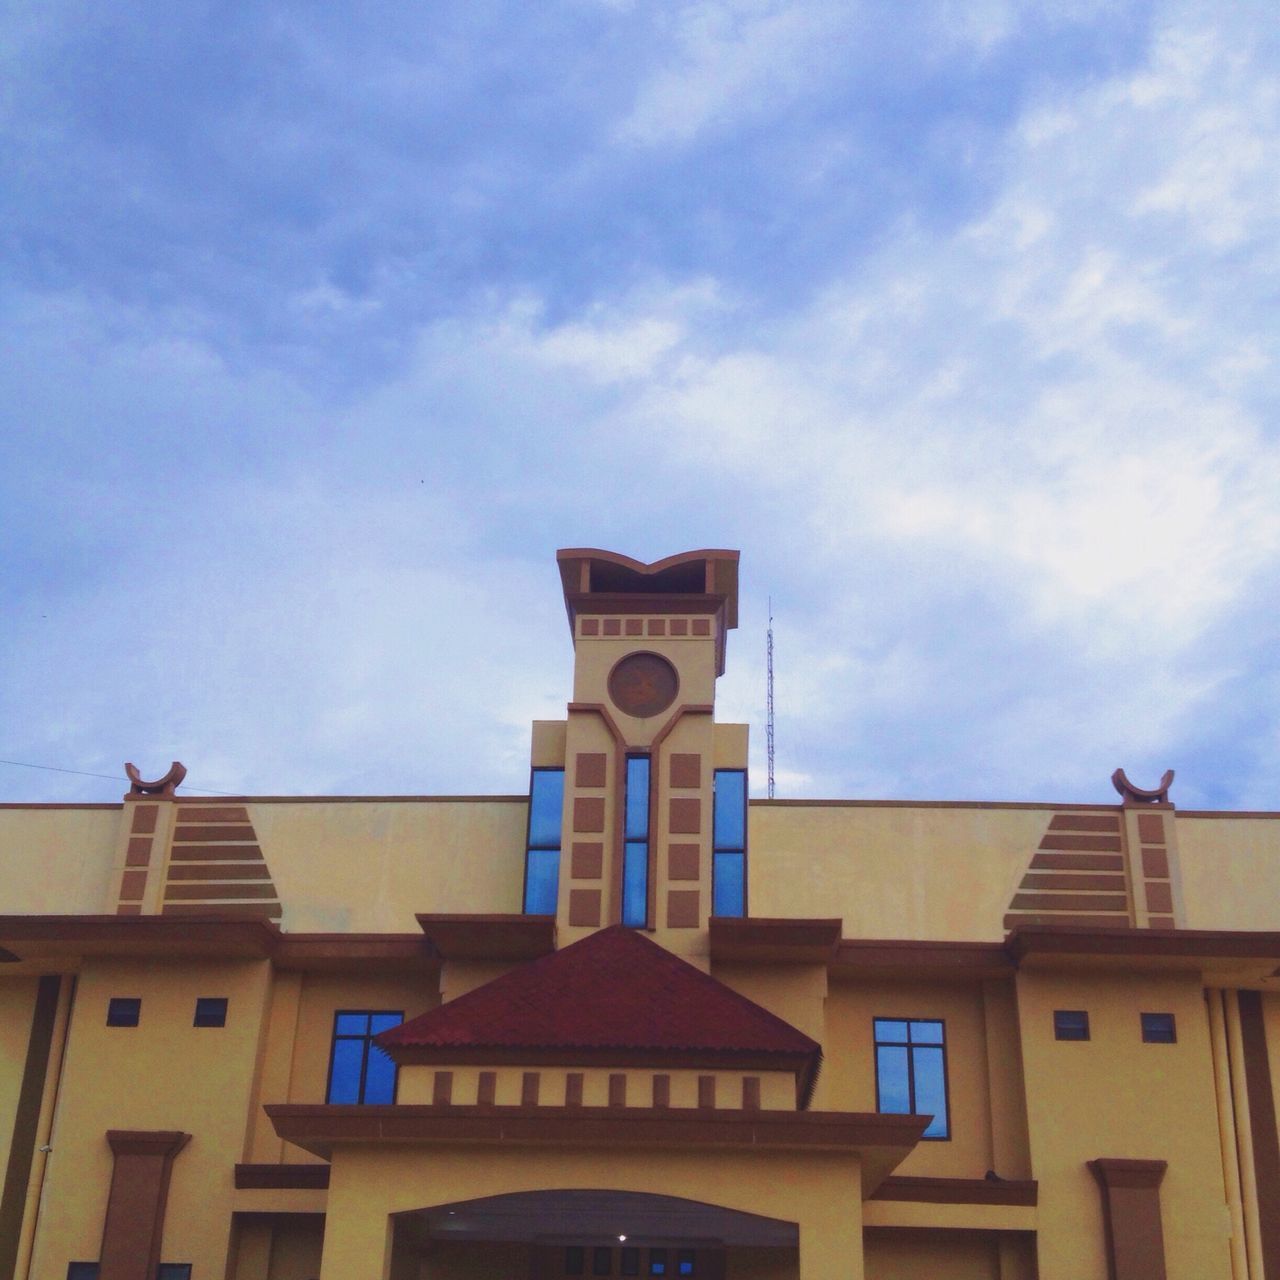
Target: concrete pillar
x: 831, y: 1238
x: 357, y: 1245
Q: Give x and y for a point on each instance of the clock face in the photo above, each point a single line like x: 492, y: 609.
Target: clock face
x: 643, y: 684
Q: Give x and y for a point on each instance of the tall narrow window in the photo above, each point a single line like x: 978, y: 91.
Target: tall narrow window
x: 635, y: 857
x: 358, y: 1070
x: 542, y: 861
x: 911, y: 1071
x: 729, y: 856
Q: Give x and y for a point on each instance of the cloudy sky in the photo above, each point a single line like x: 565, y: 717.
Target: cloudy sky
x: 325, y: 325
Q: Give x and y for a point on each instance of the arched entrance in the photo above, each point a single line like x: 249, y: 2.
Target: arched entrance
x: 547, y: 1235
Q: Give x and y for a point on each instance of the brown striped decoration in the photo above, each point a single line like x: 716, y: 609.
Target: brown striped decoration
x: 216, y: 866
x: 1076, y: 876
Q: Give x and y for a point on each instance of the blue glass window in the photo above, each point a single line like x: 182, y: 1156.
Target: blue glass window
x: 124, y: 1011
x: 1159, y: 1028
x: 358, y: 1070
x: 729, y: 853
x: 911, y: 1071
x: 542, y: 860
x: 173, y: 1271
x: 1070, y: 1024
x: 635, y: 850
x: 211, y: 1011
x: 82, y: 1271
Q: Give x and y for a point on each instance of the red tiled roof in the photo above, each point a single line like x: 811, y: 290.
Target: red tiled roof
x: 615, y: 991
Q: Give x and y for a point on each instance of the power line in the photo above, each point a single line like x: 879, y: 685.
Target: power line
x: 110, y: 777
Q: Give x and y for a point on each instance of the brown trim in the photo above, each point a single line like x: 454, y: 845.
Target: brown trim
x: 959, y: 960
x: 751, y: 1093
x: 530, y: 1087
x: 219, y: 871
x: 202, y: 834
x: 487, y: 1089
x: 638, y: 1056
x: 215, y: 853
x: 707, y: 1092
x: 1211, y: 813
x: 226, y: 889
x: 1117, y: 902
x: 1048, y: 919
x: 282, y: 1177
x: 1067, y: 939
x: 134, y: 1223
x: 661, y: 1091
x: 1078, y: 862
x: 618, y: 1089
x: 1262, y: 1124
x: 467, y: 936
x: 573, y: 1089
x: 1109, y: 822
x: 319, y: 1128
x: 26, y: 1120
x: 265, y: 910
x: 1040, y: 806
x: 604, y: 602
x: 770, y: 938
x: 613, y: 911
x: 213, y: 934
x: 1096, y: 881
x: 958, y: 1191
x: 206, y: 812
x: 442, y: 1088
x: 1077, y: 843
x: 1130, y: 1192
x: 320, y: 952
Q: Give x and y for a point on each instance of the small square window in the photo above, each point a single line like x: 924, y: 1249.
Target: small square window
x: 686, y: 1263
x: 173, y: 1271
x: 82, y: 1271
x: 575, y: 1261
x: 602, y: 1262
x: 657, y: 1262
x: 1159, y: 1028
x: 211, y: 1011
x: 631, y: 1262
x: 1070, y: 1024
x: 124, y: 1011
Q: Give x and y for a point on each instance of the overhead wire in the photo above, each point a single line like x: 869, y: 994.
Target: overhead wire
x: 110, y: 777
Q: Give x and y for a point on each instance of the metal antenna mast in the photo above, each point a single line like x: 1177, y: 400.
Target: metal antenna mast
x: 769, y: 701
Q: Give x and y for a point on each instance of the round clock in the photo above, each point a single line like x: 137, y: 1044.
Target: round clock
x: 643, y: 684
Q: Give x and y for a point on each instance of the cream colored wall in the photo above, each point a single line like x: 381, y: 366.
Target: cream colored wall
x: 892, y: 1255
x: 162, y: 1074
x: 1115, y: 1096
x: 17, y: 1007
x: 891, y: 871
x: 56, y: 860
x: 821, y: 1192
x: 693, y: 657
x: 370, y: 866
x: 850, y: 1072
x: 1230, y: 871
x: 417, y: 1085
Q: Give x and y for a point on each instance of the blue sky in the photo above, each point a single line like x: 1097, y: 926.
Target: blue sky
x: 324, y: 327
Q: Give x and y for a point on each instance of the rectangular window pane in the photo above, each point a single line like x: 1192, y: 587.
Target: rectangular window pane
x: 542, y: 882
x: 173, y: 1271
x: 727, y: 885
x: 546, y: 803
x: 657, y: 1262
x: 351, y: 1024
x: 637, y: 798
x: 574, y: 1260
x: 211, y: 1011
x: 1070, y: 1024
x: 893, y: 1090
x: 379, y: 1077
x: 730, y: 809
x: 1158, y: 1028
x: 602, y: 1262
x: 931, y: 1090
x: 888, y: 1030
x: 124, y: 1011
x: 631, y: 1262
x: 82, y: 1271
x: 344, y: 1077
x: 926, y: 1032
x: 635, y: 884
x: 686, y: 1262
x: 384, y: 1021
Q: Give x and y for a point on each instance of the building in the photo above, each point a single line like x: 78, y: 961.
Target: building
x: 633, y: 1024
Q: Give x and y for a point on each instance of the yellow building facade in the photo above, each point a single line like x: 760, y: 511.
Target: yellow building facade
x: 631, y: 1023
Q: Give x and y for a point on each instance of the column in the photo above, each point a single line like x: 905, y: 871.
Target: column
x: 1131, y: 1214
x: 135, y: 1205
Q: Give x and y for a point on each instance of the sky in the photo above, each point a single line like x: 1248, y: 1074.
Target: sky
x: 324, y: 326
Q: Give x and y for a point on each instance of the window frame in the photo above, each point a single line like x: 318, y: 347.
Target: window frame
x: 1072, y: 1039
x: 114, y: 1002
x: 210, y: 1000
x: 911, y: 1070
x: 530, y: 847
x: 334, y: 1037
x: 647, y: 841
x: 1173, y: 1027
x: 716, y: 847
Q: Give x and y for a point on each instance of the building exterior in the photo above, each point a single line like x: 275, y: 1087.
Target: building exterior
x: 631, y: 1023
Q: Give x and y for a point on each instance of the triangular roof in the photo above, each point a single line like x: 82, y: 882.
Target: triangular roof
x: 615, y: 996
